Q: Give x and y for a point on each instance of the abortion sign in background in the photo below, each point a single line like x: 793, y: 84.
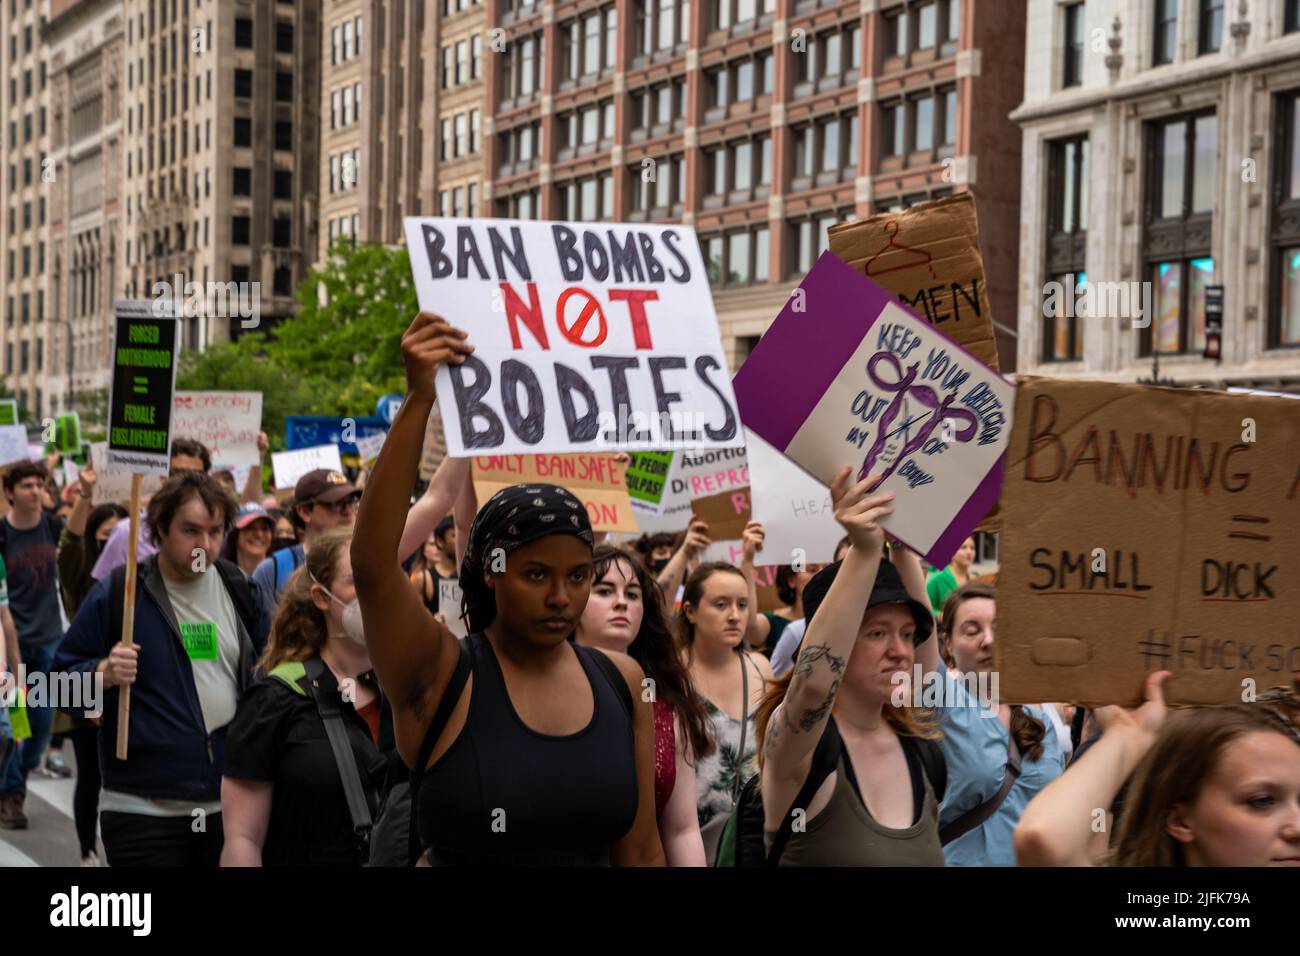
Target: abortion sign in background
x: 847, y: 376
x: 1148, y: 529
x: 145, y: 347
x: 595, y: 480
x: 226, y: 423
x: 588, y: 336
x: 694, y: 475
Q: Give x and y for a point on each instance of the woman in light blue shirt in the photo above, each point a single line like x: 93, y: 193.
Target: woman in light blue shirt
x: 976, y: 733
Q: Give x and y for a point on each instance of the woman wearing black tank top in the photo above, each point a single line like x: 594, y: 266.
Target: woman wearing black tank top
x: 547, y: 753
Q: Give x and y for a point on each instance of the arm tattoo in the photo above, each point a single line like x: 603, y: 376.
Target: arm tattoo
x: 818, y: 652
x: 815, y: 715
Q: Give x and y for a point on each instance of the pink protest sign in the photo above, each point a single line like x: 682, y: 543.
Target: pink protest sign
x: 846, y: 375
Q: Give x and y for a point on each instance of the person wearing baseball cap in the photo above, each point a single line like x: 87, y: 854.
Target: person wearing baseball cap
x: 249, y: 541
x: 323, y: 500
x: 868, y: 774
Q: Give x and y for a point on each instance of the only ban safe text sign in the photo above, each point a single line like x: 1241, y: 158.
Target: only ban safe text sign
x: 1148, y: 529
x: 587, y: 336
x: 144, y: 379
x: 848, y: 376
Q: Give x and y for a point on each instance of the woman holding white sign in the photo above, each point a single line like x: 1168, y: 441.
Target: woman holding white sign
x: 849, y: 779
x: 524, y: 748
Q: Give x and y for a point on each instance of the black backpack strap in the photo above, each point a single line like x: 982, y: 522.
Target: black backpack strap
x: 929, y: 755
x: 450, y: 697
x: 825, y: 759
x: 612, y: 674
x: 976, y: 815
x: 332, y: 718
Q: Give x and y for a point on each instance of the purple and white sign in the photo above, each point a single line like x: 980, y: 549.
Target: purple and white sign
x: 846, y: 375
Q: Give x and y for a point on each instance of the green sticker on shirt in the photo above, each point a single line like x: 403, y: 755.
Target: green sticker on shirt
x: 200, y: 640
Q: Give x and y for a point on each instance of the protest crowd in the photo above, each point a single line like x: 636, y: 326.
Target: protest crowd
x: 356, y: 671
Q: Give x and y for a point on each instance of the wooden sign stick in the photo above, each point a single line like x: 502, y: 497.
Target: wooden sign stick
x: 128, y: 615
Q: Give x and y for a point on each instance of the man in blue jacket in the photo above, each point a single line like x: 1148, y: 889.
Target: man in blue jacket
x: 196, y: 634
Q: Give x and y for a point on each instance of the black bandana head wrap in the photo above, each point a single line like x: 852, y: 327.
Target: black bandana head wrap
x: 512, y: 518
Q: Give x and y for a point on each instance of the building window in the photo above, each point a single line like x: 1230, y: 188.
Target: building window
x: 243, y: 131
x: 283, y: 185
x: 740, y: 14
x: 657, y: 190
x: 588, y: 199
x: 660, y: 25
x: 1285, y: 328
x: 243, y: 84
x: 282, y: 282
x: 737, y: 258
x: 738, y: 172
x: 825, y: 150
x: 1072, y: 72
x: 284, y: 135
x: 243, y: 33
x: 1182, y: 160
x: 1291, y: 19
x: 283, y: 37
x: 280, y: 230
x: 831, y: 60
x: 1166, y: 32
x: 239, y: 230
x: 243, y: 181
x: 588, y: 45
x: 283, y: 87
x: 1209, y: 36
x: 523, y: 65
x: 1067, y: 244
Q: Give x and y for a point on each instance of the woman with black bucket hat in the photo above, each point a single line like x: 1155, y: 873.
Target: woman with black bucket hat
x: 525, y: 748
x: 849, y: 779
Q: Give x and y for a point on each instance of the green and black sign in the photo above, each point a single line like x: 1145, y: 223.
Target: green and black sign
x: 144, y: 382
x: 646, y: 477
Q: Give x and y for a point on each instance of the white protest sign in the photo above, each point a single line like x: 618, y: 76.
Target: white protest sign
x: 13, y: 444
x: 114, y: 484
x: 794, y: 508
x: 880, y: 389
x: 587, y: 336
x: 71, y: 472
x: 449, y: 605
x: 289, y: 466
x: 368, y: 446
x: 226, y: 423
x: 695, y: 474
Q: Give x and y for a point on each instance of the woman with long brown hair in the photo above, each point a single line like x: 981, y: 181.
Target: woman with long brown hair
x: 283, y: 797
x: 1211, y: 786
x: 849, y: 779
x: 625, y: 614
x: 999, y: 756
x: 731, y: 681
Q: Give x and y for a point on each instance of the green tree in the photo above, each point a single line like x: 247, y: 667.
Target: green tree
x: 352, y: 310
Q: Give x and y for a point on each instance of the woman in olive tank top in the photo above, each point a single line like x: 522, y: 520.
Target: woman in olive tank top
x: 542, y: 752
x: 830, y: 736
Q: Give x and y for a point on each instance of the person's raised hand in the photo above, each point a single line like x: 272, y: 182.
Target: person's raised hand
x: 1148, y: 716
x: 859, y: 512
x: 429, y: 343
x: 262, y: 445
x: 697, y: 538
x: 88, y: 482
x: 751, y: 540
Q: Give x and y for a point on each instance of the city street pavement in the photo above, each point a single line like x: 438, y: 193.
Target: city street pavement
x: 50, y: 838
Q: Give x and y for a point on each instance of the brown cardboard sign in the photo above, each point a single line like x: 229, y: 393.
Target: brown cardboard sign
x: 1148, y: 529
x: 595, y: 479
x: 929, y: 258
x: 726, y: 513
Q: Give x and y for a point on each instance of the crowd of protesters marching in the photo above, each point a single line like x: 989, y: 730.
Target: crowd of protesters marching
x: 297, y: 697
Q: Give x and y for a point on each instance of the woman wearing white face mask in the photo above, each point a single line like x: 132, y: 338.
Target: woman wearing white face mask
x: 283, y: 798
